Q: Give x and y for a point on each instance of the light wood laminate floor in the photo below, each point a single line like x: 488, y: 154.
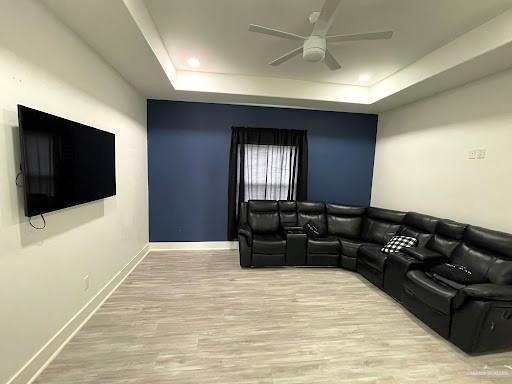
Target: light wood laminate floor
x: 197, y: 317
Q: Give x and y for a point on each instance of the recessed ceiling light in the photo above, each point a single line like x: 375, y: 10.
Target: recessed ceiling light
x: 364, y: 77
x: 193, y: 62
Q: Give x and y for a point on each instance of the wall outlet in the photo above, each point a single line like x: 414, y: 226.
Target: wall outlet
x: 478, y: 154
x: 481, y: 154
x: 87, y: 283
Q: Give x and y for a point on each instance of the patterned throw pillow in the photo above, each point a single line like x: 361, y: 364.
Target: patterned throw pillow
x: 458, y: 273
x: 398, y: 242
x: 311, y: 230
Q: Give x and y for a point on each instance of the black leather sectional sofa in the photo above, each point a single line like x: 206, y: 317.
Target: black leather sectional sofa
x: 458, y: 280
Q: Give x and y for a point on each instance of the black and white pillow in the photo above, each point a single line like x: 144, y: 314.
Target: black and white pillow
x: 458, y: 273
x: 311, y: 229
x: 398, y: 242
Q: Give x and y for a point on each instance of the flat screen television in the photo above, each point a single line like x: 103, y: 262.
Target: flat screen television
x: 63, y: 163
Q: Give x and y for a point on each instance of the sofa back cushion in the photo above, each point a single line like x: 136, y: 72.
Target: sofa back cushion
x: 380, y: 225
x: 419, y: 226
x: 287, y: 213
x: 501, y: 272
x: 263, y: 216
x: 499, y: 243
x: 496, y: 246
x: 380, y: 232
x: 312, y: 211
x: 448, y: 235
x: 344, y: 221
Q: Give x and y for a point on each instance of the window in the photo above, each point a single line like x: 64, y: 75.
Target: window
x: 265, y: 164
x: 270, y: 172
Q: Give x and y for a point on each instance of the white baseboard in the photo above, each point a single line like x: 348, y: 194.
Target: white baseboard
x: 192, y: 245
x: 51, y: 349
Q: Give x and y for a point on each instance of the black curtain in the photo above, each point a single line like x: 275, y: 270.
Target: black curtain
x: 274, y: 150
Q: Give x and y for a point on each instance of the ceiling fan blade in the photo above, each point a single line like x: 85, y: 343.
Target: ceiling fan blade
x: 326, y: 17
x: 286, y: 56
x: 275, y: 32
x: 331, y: 61
x: 360, y: 36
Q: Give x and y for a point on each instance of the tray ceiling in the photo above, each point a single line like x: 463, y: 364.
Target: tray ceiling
x: 437, y: 45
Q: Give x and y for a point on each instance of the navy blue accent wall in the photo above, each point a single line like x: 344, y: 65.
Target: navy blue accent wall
x: 188, y: 155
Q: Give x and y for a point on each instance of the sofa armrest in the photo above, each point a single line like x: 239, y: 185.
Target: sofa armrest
x: 423, y: 254
x: 493, y: 292
x: 285, y: 230
x: 246, y: 231
x: 489, y: 291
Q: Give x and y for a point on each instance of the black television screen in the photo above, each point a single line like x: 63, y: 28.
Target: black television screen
x: 64, y: 163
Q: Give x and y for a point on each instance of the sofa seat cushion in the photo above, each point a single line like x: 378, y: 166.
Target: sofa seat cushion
x: 322, y: 245
x: 350, y: 247
x: 432, y: 292
x: 372, y: 256
x: 269, y: 244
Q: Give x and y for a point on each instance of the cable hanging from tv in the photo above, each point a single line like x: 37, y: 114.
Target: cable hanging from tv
x: 18, y: 175
x: 19, y: 184
x: 35, y: 227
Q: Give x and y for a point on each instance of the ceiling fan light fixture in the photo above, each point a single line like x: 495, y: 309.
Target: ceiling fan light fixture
x: 314, y: 49
x: 193, y: 62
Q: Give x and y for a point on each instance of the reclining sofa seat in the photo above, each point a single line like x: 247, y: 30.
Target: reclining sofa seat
x: 345, y: 222
x: 447, y: 236
x: 339, y: 226
x: 473, y: 309
x: 262, y: 242
x: 325, y: 249
x: 374, y: 262
x: 379, y: 226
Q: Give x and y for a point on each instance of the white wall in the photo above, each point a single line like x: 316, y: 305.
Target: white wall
x: 422, y: 152
x: 44, y: 65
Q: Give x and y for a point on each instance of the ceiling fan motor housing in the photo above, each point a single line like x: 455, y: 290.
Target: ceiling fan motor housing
x: 314, y: 49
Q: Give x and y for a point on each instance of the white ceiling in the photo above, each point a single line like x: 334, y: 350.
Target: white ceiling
x: 109, y: 29
x: 216, y: 33
x: 437, y: 44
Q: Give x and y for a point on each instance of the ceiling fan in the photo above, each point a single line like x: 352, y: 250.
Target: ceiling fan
x: 314, y: 47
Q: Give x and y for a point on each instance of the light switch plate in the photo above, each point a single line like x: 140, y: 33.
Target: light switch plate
x: 472, y: 154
